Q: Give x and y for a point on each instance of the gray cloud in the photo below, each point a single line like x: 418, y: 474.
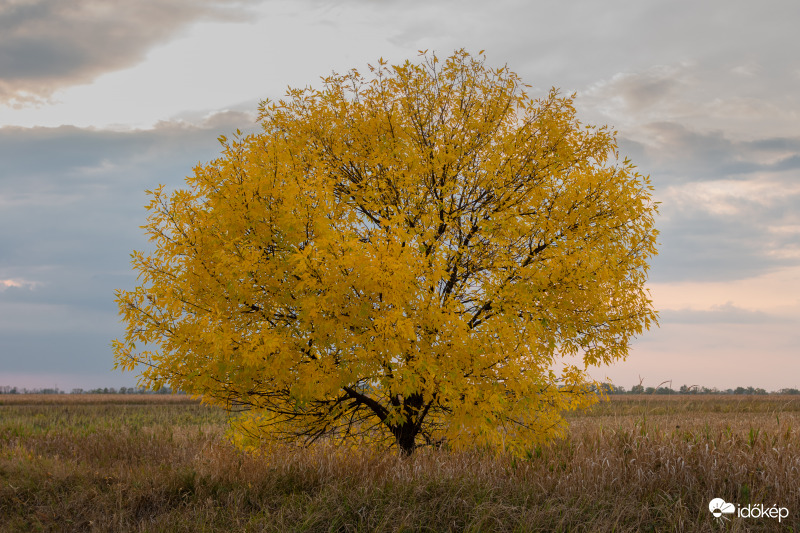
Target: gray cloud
x: 729, y: 208
x: 678, y: 153
x: 722, y: 314
x: 71, y: 203
x: 49, y: 44
x: 70, y: 195
x: 41, y: 159
x: 717, y: 238
x: 775, y: 145
x: 702, y: 246
x: 640, y: 92
x: 570, y: 44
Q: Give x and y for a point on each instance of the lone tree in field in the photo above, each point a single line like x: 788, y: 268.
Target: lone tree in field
x: 402, y: 258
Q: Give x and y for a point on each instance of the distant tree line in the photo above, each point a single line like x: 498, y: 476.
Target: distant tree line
x: 5, y: 389
x: 609, y: 388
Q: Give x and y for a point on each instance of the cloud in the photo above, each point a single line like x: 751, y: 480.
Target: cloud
x: 721, y: 147
x: 722, y: 152
x: 766, y: 196
x: 727, y: 206
x: 18, y: 283
x: 652, y: 91
x: 683, y: 154
x: 715, y: 231
x: 770, y: 293
x: 44, y: 165
x: 705, y: 90
x: 721, y: 314
x: 49, y: 44
x: 74, y: 197
x: 697, y: 93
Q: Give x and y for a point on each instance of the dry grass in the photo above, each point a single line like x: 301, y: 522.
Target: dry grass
x: 635, y: 464
x: 98, y: 399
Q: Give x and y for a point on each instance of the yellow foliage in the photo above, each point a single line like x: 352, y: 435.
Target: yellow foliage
x: 399, y: 258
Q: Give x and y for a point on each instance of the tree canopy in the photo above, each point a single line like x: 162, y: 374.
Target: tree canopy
x: 423, y: 255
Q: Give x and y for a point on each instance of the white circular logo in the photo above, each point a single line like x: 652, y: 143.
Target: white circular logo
x: 720, y: 507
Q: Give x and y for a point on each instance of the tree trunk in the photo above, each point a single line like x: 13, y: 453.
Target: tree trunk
x: 406, y: 437
x: 406, y: 432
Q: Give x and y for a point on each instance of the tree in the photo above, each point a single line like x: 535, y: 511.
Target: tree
x: 403, y: 258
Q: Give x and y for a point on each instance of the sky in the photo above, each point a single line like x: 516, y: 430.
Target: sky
x: 100, y: 100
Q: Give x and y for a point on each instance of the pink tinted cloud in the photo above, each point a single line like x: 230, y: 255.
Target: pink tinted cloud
x: 18, y: 283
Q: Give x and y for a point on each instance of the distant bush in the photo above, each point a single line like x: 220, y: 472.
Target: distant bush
x: 6, y: 389
x: 610, y: 388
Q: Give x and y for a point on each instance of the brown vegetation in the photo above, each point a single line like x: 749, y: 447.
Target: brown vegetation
x: 97, y: 399
x: 633, y: 464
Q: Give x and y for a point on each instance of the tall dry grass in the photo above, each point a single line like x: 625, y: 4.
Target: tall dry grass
x: 635, y: 464
x: 96, y: 399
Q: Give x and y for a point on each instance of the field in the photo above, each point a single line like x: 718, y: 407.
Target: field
x: 161, y: 463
